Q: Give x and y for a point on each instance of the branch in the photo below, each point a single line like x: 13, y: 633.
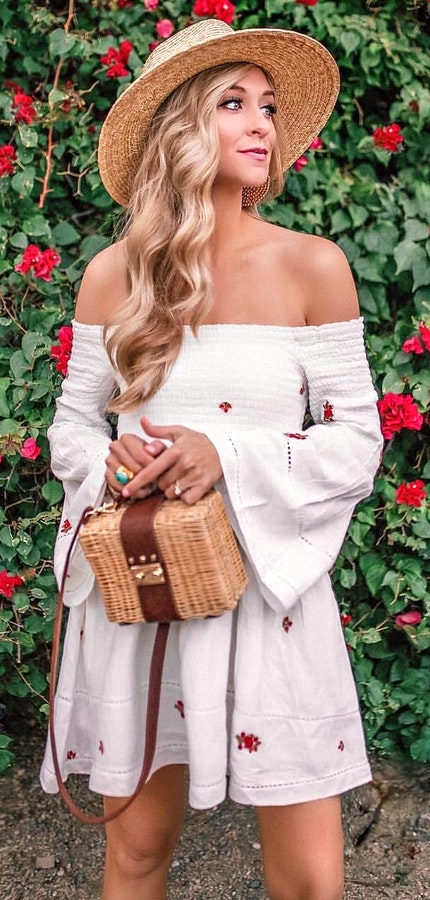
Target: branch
x: 50, y: 147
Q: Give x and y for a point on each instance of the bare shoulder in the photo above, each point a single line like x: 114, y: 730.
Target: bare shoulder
x: 104, y: 285
x: 322, y: 274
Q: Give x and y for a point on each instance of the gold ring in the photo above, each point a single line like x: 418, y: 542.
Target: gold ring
x: 123, y: 475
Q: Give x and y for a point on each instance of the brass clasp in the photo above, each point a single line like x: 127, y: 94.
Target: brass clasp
x: 148, y: 573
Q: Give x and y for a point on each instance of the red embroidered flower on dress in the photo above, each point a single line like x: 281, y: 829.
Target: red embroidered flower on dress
x: 101, y: 747
x: 341, y: 745
x: 225, y: 406
x: 71, y: 754
x: 66, y: 526
x: 345, y: 620
x: 248, y: 742
x: 287, y: 623
x: 179, y: 705
x: 296, y: 435
x: 411, y: 494
x: 328, y: 413
x: 302, y: 389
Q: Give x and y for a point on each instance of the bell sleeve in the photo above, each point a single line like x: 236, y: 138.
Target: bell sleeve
x: 291, y: 496
x: 79, y: 439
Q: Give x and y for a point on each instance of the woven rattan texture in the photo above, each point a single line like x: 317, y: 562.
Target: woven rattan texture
x: 198, y: 550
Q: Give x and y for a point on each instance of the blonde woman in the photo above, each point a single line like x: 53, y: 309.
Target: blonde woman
x: 210, y: 331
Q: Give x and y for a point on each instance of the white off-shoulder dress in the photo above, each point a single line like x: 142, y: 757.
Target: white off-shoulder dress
x: 262, y: 699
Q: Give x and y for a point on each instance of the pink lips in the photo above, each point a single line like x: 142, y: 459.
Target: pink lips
x: 255, y: 152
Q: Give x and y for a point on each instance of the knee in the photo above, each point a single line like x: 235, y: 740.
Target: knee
x: 135, y: 857
x: 308, y: 888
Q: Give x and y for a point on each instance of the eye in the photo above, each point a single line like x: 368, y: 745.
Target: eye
x: 232, y: 103
x: 270, y: 110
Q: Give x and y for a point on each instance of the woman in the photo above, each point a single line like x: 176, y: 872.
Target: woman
x: 225, y: 328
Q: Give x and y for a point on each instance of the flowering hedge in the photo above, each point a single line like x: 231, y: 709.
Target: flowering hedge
x: 364, y: 183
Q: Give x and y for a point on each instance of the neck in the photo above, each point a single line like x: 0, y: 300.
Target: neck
x: 229, y: 219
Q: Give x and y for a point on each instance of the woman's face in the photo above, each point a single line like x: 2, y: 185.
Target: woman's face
x: 246, y: 130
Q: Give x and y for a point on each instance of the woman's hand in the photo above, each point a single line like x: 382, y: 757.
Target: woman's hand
x: 191, y: 464
x: 135, y: 454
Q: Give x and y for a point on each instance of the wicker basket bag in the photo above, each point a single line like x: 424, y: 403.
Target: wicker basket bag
x: 159, y: 560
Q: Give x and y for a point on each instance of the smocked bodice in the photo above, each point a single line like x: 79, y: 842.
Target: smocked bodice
x: 232, y: 375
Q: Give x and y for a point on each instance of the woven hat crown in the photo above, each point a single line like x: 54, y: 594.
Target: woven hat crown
x: 184, y: 40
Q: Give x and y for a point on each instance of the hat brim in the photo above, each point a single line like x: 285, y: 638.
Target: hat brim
x: 304, y: 73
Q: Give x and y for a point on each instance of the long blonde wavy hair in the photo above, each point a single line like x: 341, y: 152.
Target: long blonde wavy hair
x: 170, y: 223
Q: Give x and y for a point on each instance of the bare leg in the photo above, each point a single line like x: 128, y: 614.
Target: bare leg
x: 141, y: 842
x: 303, y: 850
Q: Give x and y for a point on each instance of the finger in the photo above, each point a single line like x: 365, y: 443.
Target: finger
x: 154, y: 448
x: 152, y: 471
x: 171, y: 432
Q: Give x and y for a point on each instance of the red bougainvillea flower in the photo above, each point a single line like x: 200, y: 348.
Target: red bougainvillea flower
x: 316, y: 144
x: 204, y: 8
x: 425, y: 335
x: 413, y: 617
x: 40, y: 261
x: 308, y: 2
x: 222, y: 9
x: 300, y: 163
x: 61, y: 352
x: 122, y: 4
x: 151, y: 4
x: 7, y: 159
x: 411, y: 493
x: 413, y: 345
x: 345, y: 619
x: 414, y: 106
x: 116, y: 60
x: 225, y: 11
x: 22, y: 103
x: 29, y: 449
x: 164, y: 28
x: 398, y: 411
x: 388, y: 138
x: 8, y: 583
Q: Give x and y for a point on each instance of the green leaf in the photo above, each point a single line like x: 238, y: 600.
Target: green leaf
x: 374, y: 569
x: 61, y: 43
x: 406, y: 254
x: 56, y: 96
x: 415, y: 230
x: 19, y: 365
x: 22, y: 182
x: 393, y: 382
x: 30, y: 341
x: 64, y: 234
x: 4, y: 406
x: 52, y: 491
x: 36, y: 226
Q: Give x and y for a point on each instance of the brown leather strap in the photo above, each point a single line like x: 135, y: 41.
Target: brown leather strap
x: 152, y: 711
x: 143, y: 554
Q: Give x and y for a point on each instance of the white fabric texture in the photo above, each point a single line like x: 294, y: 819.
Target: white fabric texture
x: 265, y: 694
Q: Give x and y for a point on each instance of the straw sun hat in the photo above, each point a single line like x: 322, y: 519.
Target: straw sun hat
x: 304, y: 73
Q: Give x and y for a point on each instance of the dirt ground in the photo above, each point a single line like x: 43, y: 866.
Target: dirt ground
x: 46, y: 853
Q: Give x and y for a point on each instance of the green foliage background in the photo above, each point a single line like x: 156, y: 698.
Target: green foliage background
x: 376, y: 205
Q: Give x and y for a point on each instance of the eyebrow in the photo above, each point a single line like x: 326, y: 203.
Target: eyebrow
x: 238, y: 87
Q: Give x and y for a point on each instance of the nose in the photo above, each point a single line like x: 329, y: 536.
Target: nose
x: 258, y: 122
